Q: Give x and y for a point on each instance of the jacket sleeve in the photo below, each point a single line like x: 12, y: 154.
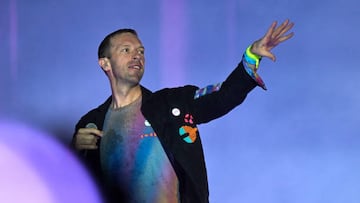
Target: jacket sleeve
x: 91, y: 158
x: 225, y: 96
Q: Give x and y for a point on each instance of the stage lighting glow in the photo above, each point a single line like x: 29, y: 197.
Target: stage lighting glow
x: 35, y: 168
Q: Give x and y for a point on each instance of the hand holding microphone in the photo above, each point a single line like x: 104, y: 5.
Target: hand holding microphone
x: 87, y: 138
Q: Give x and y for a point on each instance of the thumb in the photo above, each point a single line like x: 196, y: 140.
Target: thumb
x: 269, y: 55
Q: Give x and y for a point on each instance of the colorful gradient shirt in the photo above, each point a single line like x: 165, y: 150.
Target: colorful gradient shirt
x: 132, y: 156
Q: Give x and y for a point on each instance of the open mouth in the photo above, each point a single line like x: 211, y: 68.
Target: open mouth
x: 135, y: 66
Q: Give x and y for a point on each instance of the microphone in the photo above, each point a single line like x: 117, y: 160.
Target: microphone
x: 94, y: 126
x: 91, y: 125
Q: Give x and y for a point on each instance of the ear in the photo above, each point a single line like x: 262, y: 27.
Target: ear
x: 104, y: 63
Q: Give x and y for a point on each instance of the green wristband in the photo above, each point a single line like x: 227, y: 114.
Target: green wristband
x: 253, y: 57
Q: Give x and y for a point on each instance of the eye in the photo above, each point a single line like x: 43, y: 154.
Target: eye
x: 125, y: 50
x: 141, y: 51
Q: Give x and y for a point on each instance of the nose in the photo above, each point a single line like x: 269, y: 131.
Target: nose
x: 136, y: 55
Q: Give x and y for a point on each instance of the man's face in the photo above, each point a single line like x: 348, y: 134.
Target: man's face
x: 127, y: 59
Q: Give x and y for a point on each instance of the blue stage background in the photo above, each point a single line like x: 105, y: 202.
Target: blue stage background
x: 297, y: 142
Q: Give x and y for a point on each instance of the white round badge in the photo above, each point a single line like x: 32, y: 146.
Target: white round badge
x: 175, y: 112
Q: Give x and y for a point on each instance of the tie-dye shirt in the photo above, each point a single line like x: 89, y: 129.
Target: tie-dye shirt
x: 132, y: 156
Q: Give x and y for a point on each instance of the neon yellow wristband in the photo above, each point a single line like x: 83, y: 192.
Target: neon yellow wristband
x: 253, y: 56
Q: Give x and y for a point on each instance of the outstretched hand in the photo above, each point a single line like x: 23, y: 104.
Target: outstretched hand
x: 273, y: 37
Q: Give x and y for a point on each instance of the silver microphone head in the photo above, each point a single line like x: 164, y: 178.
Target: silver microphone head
x: 91, y: 125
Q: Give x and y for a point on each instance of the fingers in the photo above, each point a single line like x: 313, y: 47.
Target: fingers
x: 270, y: 31
x: 280, y: 29
x: 278, y: 34
x: 284, y: 38
x: 90, y: 131
x: 286, y: 27
x: 275, y: 35
x: 87, y: 138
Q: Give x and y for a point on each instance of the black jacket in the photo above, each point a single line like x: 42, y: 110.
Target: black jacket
x: 170, y: 109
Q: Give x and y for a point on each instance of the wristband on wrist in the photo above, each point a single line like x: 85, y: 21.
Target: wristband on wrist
x: 252, y: 58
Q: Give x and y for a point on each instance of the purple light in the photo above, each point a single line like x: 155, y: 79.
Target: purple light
x: 36, y: 168
x: 13, y: 39
x: 173, y: 42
